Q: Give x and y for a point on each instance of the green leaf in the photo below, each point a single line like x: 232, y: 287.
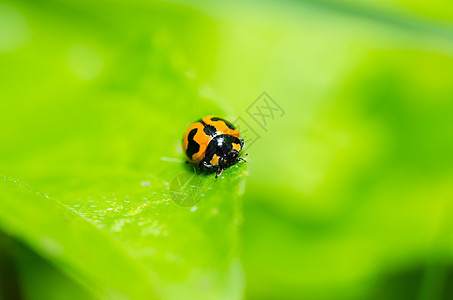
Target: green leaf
x: 164, y: 242
x: 93, y: 174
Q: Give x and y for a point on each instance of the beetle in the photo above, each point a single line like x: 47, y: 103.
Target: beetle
x: 213, y: 143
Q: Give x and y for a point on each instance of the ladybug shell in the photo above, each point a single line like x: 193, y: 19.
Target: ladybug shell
x: 200, y: 133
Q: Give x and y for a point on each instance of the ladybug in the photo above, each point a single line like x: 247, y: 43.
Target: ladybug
x: 213, y: 143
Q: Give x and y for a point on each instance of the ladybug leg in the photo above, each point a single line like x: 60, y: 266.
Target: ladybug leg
x: 205, y: 165
x: 240, y: 158
x: 219, y: 172
x: 221, y: 162
x: 222, y: 165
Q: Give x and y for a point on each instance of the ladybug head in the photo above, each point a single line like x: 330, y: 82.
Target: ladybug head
x: 223, y: 151
x: 229, y: 158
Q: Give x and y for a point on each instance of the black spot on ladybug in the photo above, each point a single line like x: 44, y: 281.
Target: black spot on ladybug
x: 192, y: 146
x: 208, y: 129
x: 228, y: 124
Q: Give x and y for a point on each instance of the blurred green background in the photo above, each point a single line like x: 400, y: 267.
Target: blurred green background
x: 347, y: 196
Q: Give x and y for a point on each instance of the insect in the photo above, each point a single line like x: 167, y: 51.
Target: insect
x: 213, y: 143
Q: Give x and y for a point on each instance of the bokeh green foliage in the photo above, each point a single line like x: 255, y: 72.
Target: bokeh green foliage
x: 351, y: 189
x: 348, y: 195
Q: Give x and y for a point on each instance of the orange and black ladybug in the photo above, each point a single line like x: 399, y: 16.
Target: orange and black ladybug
x: 213, y: 143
